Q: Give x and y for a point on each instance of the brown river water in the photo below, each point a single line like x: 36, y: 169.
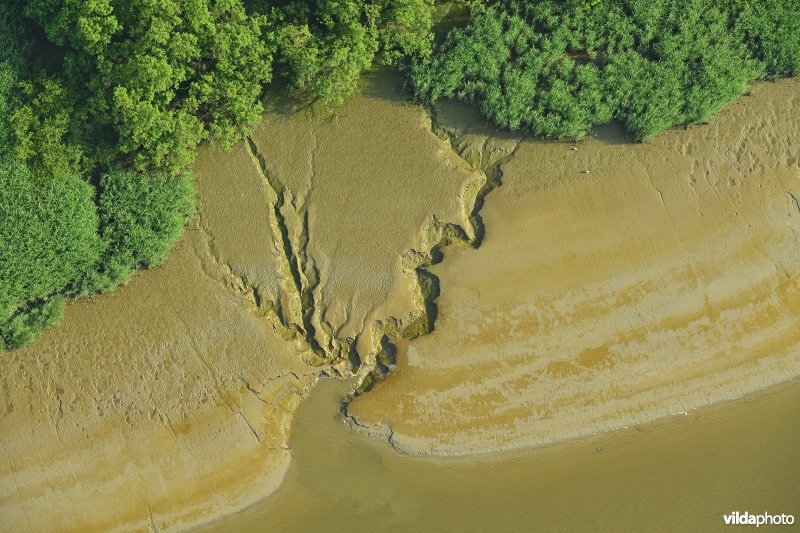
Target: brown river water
x: 678, y: 474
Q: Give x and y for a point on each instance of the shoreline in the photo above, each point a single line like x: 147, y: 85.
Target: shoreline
x: 335, y: 471
x: 382, y: 432
x: 247, y: 314
x: 663, y: 281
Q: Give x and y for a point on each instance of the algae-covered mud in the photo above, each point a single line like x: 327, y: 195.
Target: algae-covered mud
x: 617, y: 283
x: 677, y: 474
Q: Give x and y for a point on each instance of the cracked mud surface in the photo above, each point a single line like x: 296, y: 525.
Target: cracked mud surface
x: 169, y: 402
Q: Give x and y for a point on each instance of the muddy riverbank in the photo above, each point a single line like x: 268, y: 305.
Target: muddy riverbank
x: 614, y: 283
x: 617, y: 283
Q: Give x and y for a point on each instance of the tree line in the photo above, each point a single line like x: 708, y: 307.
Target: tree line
x: 104, y: 102
x: 558, y: 67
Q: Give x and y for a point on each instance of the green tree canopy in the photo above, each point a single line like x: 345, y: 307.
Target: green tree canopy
x: 151, y: 79
x: 323, y: 47
x: 103, y: 102
x: 557, y: 68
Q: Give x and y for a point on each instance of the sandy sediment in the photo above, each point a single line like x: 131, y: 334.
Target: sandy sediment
x: 617, y: 283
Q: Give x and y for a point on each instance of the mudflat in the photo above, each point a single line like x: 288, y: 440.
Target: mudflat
x: 603, y: 284
x: 168, y: 403
x: 617, y: 283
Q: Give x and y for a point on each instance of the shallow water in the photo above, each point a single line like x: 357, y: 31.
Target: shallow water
x: 678, y: 474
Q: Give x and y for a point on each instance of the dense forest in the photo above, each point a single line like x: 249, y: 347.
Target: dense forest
x: 104, y: 102
x: 556, y: 68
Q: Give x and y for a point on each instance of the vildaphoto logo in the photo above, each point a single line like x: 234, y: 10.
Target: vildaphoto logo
x: 765, y: 519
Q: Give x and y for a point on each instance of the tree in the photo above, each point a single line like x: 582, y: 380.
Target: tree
x: 154, y: 78
x: 323, y: 47
x: 48, y: 240
x: 40, y: 118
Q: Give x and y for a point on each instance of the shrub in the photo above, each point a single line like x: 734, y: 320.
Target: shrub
x: 40, y: 121
x: 12, y: 52
x: 556, y: 68
x: 54, y: 243
x: 771, y: 31
x: 48, y: 240
x: 25, y: 324
x: 141, y: 217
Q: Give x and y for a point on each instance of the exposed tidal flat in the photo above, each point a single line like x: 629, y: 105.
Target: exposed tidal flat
x: 615, y: 283
x: 169, y: 403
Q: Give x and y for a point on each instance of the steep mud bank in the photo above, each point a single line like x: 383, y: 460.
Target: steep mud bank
x: 617, y: 283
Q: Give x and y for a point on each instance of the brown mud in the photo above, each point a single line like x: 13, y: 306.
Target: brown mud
x: 617, y: 283
x: 661, y: 280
